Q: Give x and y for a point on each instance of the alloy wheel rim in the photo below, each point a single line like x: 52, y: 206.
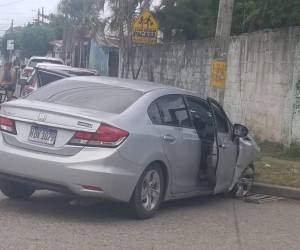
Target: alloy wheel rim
x: 244, y: 186
x: 151, y: 189
x: 245, y: 183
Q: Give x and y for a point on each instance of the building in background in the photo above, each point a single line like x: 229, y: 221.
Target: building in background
x: 104, y: 55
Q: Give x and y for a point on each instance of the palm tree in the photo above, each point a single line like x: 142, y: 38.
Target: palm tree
x: 123, y: 13
x: 82, y: 19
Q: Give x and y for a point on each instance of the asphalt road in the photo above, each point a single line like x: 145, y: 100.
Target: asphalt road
x: 48, y: 221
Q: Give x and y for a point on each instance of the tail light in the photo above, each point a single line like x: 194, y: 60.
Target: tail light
x: 7, y: 125
x: 105, y: 136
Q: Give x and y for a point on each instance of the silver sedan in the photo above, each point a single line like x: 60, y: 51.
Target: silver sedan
x: 123, y: 140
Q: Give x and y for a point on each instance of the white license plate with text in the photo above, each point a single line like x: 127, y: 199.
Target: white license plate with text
x: 42, y: 135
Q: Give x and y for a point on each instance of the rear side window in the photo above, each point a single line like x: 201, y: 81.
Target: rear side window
x: 46, y: 77
x: 173, y: 111
x: 154, y: 114
x: 87, y: 95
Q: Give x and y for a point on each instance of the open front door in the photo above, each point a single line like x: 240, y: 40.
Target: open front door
x: 227, y: 148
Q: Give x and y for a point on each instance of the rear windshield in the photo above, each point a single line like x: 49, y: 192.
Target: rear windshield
x: 34, y: 62
x: 87, y: 95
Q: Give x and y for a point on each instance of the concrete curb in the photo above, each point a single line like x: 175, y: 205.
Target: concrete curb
x: 275, y: 190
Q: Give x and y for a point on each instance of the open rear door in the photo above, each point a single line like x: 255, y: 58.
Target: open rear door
x: 227, y: 148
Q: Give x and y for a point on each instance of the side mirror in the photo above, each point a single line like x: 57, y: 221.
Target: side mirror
x: 199, y: 123
x: 240, y: 130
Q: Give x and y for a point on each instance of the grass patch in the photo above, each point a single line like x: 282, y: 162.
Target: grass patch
x: 279, y: 166
x: 278, y: 151
x: 278, y: 172
x: 293, y: 152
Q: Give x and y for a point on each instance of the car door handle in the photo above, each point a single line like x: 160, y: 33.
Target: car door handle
x: 169, y: 138
x: 223, y: 146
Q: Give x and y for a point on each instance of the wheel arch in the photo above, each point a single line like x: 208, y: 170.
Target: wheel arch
x: 166, y: 175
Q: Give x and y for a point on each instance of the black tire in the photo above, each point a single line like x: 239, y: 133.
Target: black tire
x: 16, y: 191
x: 136, y: 203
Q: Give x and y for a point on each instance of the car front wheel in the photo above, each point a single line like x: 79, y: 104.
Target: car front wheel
x: 245, y: 182
x: 16, y: 191
x: 148, y: 193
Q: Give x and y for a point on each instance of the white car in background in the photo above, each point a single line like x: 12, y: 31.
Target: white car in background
x: 33, y: 61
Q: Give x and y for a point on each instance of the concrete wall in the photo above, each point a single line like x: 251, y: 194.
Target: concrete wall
x: 263, y: 75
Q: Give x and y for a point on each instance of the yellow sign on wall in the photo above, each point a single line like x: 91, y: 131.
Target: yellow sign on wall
x: 145, y: 29
x: 219, y: 74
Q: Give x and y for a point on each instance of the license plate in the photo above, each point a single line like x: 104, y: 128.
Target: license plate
x: 43, y: 135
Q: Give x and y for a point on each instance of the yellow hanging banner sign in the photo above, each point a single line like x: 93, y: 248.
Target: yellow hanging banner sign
x: 218, y: 74
x: 145, y: 29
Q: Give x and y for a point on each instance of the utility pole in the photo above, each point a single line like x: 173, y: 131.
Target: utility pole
x: 39, y: 14
x: 12, y: 26
x: 11, y: 31
x: 222, y: 40
x: 43, y: 15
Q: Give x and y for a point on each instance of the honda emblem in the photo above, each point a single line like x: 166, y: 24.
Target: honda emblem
x: 42, y: 117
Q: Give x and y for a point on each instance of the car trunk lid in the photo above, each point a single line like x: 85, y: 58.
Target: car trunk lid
x: 49, y: 127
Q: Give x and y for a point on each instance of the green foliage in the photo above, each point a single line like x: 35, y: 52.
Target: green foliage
x: 187, y: 19
x: 196, y: 19
x: 57, y: 24
x: 293, y: 151
x: 16, y: 36
x: 35, y: 39
x: 83, y: 16
x: 252, y: 15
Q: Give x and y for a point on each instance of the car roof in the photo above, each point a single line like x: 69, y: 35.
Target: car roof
x: 45, y: 58
x: 142, y: 86
x: 61, y: 67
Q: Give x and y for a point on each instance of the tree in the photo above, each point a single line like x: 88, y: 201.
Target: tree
x: 82, y: 18
x: 16, y: 36
x: 196, y: 19
x: 123, y: 13
x: 187, y: 19
x: 252, y: 15
x: 35, y: 40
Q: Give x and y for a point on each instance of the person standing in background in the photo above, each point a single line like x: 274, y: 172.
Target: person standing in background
x: 8, y: 80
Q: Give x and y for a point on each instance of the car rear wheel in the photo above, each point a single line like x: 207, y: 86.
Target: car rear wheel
x: 16, y: 191
x: 148, y: 193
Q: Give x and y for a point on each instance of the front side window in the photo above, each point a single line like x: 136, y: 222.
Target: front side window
x: 202, y: 117
x: 173, y: 111
x: 222, y: 124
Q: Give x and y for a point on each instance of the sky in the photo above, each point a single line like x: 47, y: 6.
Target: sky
x: 22, y: 11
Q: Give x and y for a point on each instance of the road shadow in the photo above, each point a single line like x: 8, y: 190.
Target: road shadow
x: 56, y: 206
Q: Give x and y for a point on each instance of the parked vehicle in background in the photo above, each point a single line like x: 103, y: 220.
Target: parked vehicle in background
x: 33, y: 61
x: 124, y: 140
x: 45, y: 73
